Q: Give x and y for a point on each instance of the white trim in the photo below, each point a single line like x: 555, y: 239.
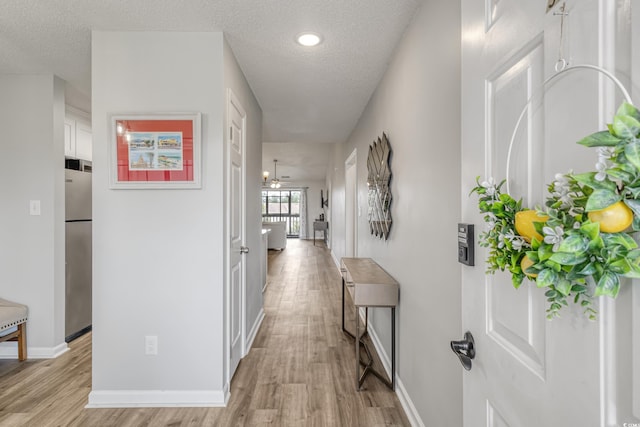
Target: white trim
x: 78, y: 113
x: 335, y: 260
x: 253, y: 332
x: 226, y: 391
x: 401, y: 392
x: 407, y: 404
x: 157, y: 398
x: 10, y: 351
x: 352, y: 162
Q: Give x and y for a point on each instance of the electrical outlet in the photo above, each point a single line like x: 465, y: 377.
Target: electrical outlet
x: 151, y: 345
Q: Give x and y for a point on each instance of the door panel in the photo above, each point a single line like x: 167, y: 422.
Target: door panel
x: 517, y: 324
x: 516, y: 319
x: 529, y: 371
x: 494, y: 419
x: 236, y: 220
x: 508, y: 90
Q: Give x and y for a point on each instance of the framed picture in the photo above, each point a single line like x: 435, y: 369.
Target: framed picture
x: 155, y: 150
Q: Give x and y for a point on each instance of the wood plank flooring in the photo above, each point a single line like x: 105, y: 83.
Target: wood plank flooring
x: 299, y: 372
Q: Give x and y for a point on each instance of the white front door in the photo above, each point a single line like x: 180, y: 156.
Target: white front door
x: 236, y: 118
x: 529, y: 371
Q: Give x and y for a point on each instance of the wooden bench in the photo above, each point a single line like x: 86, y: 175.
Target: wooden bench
x: 14, y: 316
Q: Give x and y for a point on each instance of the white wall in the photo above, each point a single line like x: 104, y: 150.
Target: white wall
x: 417, y: 104
x: 235, y: 79
x: 158, y: 254
x: 32, y: 247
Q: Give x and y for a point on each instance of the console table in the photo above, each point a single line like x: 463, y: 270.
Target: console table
x: 320, y: 226
x: 369, y: 286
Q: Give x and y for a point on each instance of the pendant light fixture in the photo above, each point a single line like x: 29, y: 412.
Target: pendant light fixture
x: 275, y: 182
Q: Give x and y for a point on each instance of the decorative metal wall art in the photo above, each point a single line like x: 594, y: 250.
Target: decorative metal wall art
x: 378, y: 181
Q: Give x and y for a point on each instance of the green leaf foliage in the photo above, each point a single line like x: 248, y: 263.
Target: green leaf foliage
x: 588, y: 270
x: 620, y: 175
x: 632, y: 151
x: 573, y: 244
x: 609, y: 284
x: 619, y: 239
x: 601, y: 199
x: 634, y: 205
x: 567, y: 258
x: 634, y: 272
x: 544, y: 252
x: 589, y: 179
x: 626, y: 127
x: 546, y: 278
x: 590, y: 229
x: 563, y: 286
x: 629, y: 110
x: 620, y: 266
x: 600, y: 139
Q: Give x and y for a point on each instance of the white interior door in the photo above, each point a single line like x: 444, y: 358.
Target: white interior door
x: 529, y: 371
x: 351, y: 204
x: 236, y: 228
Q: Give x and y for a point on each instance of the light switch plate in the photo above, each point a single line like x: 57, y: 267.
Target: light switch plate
x: 34, y: 207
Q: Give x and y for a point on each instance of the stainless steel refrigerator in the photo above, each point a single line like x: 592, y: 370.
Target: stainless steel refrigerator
x: 78, y: 253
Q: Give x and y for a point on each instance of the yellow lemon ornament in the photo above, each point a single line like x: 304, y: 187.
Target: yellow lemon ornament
x: 524, y: 224
x: 526, y: 263
x: 613, y: 219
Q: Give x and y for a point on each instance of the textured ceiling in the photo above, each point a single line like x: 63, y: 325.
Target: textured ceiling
x: 306, y: 94
x: 300, y: 162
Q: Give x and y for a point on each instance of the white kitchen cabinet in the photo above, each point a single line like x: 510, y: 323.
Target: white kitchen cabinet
x: 69, y: 138
x: 77, y: 136
x: 83, y: 141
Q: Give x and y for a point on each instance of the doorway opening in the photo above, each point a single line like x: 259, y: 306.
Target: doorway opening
x: 351, y: 204
x: 282, y: 206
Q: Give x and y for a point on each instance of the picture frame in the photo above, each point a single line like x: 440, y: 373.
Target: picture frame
x: 155, y: 151
x: 324, y: 203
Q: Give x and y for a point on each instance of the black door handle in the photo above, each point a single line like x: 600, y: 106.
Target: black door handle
x: 465, y: 350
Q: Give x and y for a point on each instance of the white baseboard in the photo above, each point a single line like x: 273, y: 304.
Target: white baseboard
x: 9, y: 350
x: 227, y: 393
x: 401, y: 392
x: 335, y: 260
x: 254, y: 331
x: 157, y: 398
x: 407, y: 404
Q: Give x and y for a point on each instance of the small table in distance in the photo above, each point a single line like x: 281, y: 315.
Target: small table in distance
x: 320, y: 226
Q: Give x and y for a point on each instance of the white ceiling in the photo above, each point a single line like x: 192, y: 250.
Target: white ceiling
x: 309, y: 96
x: 300, y: 162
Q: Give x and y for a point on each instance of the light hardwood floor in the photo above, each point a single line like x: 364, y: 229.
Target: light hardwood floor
x: 299, y: 372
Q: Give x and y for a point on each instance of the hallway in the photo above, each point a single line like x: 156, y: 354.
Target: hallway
x: 299, y: 371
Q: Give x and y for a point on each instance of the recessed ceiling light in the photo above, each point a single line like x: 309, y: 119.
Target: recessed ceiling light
x: 308, y: 39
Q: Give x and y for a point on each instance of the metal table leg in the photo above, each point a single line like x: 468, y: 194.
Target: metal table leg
x: 344, y: 287
x: 359, y: 341
x: 393, y: 348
